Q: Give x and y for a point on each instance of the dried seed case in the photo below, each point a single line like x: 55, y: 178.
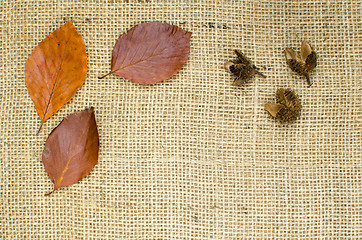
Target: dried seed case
x: 304, y: 63
x: 243, y: 69
x: 288, y: 106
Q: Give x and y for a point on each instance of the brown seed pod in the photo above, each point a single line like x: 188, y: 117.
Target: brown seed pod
x: 287, y: 108
x: 242, y: 69
x: 304, y: 63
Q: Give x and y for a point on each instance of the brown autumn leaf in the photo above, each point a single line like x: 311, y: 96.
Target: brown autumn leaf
x: 71, y: 150
x: 150, y: 52
x: 56, y: 68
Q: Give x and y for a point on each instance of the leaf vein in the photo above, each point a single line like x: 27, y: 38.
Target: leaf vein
x: 56, y: 79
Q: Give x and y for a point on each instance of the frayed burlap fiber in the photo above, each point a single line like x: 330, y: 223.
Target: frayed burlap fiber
x: 191, y: 157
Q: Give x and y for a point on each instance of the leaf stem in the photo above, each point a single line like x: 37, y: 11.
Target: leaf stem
x: 260, y: 73
x: 105, y: 75
x: 49, y: 193
x: 41, y: 125
x: 308, y: 80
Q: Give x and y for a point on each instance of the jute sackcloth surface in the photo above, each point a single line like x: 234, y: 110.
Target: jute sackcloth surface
x: 191, y: 157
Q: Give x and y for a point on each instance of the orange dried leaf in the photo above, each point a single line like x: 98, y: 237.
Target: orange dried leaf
x: 71, y: 150
x: 150, y: 52
x: 56, y: 68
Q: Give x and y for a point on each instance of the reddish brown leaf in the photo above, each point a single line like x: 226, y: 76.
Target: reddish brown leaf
x: 56, y: 68
x: 150, y: 52
x: 71, y: 150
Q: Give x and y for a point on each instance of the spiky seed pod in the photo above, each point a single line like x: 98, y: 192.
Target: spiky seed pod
x: 304, y: 63
x: 287, y: 108
x: 242, y: 69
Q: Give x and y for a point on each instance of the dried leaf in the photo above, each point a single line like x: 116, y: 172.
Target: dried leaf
x: 150, y: 52
x: 287, y: 108
x: 303, y: 64
x: 71, y: 150
x: 242, y: 69
x: 56, y: 68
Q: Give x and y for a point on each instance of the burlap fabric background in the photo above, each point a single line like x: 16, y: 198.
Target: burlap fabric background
x: 192, y: 157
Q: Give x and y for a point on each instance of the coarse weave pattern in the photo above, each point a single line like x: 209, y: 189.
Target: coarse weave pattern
x: 191, y: 157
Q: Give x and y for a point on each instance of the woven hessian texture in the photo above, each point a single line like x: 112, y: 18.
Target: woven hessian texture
x: 191, y: 157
